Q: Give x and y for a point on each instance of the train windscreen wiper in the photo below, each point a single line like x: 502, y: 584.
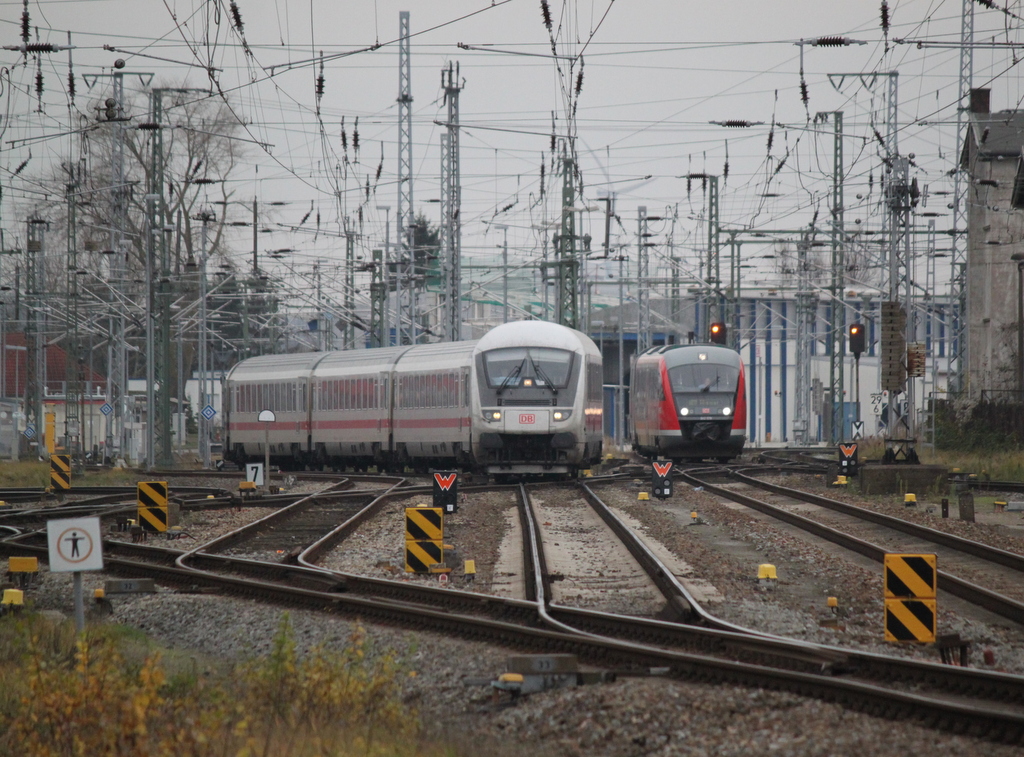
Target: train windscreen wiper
x: 539, y: 372
x: 513, y: 374
x: 708, y: 383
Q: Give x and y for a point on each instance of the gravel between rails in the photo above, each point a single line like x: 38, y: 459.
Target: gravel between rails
x: 631, y: 717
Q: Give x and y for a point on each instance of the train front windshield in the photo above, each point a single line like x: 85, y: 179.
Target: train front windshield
x: 509, y: 366
x: 703, y: 377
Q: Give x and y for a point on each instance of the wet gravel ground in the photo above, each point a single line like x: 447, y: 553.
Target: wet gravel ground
x: 648, y: 716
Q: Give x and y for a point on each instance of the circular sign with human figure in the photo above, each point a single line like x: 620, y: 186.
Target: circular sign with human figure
x: 75, y: 545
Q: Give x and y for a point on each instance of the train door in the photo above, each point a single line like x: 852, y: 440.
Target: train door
x: 386, y: 414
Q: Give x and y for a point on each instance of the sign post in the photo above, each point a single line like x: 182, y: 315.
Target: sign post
x: 266, y: 418
x: 446, y: 490
x: 661, y: 478
x: 848, y: 464
x: 910, y: 584
x: 75, y: 545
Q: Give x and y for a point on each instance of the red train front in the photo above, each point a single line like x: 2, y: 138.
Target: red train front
x: 688, y: 402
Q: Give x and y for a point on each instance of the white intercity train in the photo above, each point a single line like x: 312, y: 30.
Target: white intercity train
x: 524, y: 399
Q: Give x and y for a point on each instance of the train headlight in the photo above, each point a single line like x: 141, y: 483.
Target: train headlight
x: 561, y: 415
x: 726, y: 410
x: 685, y: 411
x: 492, y: 415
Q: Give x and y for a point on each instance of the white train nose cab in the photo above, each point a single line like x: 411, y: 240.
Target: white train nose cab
x: 539, y: 389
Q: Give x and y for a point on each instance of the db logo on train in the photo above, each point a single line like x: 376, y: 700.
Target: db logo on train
x: 527, y: 419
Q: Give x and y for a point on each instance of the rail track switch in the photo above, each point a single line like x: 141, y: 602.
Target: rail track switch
x: 529, y: 674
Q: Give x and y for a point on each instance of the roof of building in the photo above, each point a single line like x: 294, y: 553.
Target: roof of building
x: 997, y: 135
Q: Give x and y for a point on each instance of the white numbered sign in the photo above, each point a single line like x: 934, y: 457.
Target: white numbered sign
x: 876, y: 403
x: 254, y: 473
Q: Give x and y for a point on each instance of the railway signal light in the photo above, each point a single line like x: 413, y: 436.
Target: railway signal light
x: 110, y: 108
x: 718, y: 333
x: 857, y: 339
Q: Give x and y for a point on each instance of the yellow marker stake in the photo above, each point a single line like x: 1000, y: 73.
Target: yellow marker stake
x: 833, y: 602
x: 766, y: 571
x: 642, y: 496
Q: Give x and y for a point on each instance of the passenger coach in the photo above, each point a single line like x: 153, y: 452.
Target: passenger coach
x: 526, y: 398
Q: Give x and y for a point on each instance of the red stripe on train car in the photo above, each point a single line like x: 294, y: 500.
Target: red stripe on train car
x: 364, y: 423
x: 432, y: 423
x: 279, y: 425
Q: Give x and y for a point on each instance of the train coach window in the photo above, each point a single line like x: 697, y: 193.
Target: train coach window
x: 704, y: 377
x: 547, y: 366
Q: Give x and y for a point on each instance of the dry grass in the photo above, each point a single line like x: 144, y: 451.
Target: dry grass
x: 998, y: 466
x: 37, y: 474
x: 110, y: 692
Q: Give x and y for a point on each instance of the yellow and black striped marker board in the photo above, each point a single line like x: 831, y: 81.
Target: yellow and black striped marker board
x: 424, y: 524
x: 152, y: 496
x: 910, y: 620
x: 421, y: 555
x: 60, y: 472
x: 910, y: 576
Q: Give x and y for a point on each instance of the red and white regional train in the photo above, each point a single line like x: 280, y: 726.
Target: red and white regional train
x: 688, y: 402
x: 524, y: 399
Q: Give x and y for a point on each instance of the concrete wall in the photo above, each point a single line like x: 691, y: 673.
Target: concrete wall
x: 996, y: 232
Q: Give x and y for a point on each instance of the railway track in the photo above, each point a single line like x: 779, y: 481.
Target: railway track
x: 957, y: 550
x: 542, y: 625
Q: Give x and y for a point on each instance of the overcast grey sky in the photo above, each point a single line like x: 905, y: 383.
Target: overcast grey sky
x: 655, y: 74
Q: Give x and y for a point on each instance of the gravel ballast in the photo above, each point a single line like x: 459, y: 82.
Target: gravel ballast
x: 633, y: 716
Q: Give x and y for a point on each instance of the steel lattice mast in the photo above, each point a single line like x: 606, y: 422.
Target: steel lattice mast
x: 958, y: 370
x: 35, y: 358
x: 643, y: 292
x: 566, y: 262
x: 451, y: 203
x: 806, y: 304
x: 837, y: 327
x: 406, y: 213
x: 72, y: 346
x: 158, y: 326
x: 117, y: 377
